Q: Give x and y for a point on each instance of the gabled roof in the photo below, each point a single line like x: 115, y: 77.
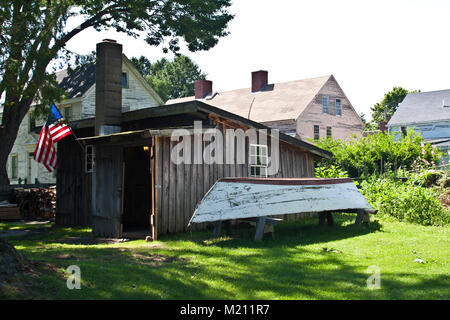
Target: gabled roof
x: 279, y: 101
x: 77, y: 82
x: 422, y: 107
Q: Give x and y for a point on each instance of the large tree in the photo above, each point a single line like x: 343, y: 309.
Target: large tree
x: 171, y: 79
x: 383, y: 110
x: 35, y: 33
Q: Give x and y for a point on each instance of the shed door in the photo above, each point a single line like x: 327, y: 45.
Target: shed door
x: 107, y: 192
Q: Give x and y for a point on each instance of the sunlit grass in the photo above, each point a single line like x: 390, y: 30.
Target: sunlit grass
x: 304, y: 261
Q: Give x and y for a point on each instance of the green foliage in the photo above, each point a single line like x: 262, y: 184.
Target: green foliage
x: 170, y: 79
x: 332, y: 171
x: 405, y: 201
x: 379, y: 153
x: 387, y: 106
x: 35, y: 33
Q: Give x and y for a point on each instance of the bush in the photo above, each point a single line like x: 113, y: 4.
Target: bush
x: 405, y: 201
x: 379, y: 153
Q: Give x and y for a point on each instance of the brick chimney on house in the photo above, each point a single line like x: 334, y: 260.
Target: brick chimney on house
x: 202, y: 88
x: 108, y: 88
x: 259, y: 79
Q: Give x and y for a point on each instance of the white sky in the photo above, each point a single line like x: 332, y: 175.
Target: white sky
x: 369, y: 46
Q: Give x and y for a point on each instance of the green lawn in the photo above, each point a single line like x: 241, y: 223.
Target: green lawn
x: 304, y: 261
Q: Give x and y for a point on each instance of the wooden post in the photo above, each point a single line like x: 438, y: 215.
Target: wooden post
x: 321, y: 218
x: 217, y: 228
x: 260, y: 228
x: 330, y: 220
x: 359, y: 217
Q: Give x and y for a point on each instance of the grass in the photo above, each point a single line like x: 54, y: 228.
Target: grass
x: 304, y: 261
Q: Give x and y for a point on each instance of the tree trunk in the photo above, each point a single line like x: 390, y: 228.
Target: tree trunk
x: 12, y: 118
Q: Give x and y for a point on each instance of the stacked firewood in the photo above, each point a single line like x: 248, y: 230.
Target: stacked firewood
x: 35, y: 203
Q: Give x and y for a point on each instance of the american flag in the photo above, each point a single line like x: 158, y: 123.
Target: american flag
x: 52, y: 131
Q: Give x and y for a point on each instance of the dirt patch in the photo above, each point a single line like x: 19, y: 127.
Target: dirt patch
x: 89, y: 241
x: 155, y: 260
x: 23, y: 234
x: 21, y: 285
x: 11, y: 261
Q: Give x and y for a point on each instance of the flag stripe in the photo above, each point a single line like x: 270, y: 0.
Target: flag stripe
x: 45, y: 152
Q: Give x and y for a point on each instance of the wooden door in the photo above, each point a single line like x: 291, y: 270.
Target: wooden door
x: 107, y: 192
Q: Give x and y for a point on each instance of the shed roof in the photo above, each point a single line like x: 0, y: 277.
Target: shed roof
x: 193, y: 107
x: 422, y: 107
x: 279, y: 101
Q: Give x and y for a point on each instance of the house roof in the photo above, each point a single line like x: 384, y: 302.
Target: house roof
x: 422, y: 107
x: 75, y: 83
x: 279, y: 101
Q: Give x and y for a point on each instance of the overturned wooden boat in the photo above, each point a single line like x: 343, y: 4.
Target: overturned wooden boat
x: 250, y: 198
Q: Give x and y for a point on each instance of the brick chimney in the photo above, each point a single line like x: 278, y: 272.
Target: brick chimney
x: 259, y: 79
x: 108, y: 88
x: 202, y: 88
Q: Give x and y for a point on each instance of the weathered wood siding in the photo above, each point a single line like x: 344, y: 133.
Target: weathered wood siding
x: 74, y: 186
x: 179, y: 188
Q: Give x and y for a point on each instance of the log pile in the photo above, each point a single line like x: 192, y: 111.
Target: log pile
x: 35, y: 203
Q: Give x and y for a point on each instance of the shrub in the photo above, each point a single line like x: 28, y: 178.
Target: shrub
x: 379, y: 153
x: 331, y: 171
x: 405, y: 201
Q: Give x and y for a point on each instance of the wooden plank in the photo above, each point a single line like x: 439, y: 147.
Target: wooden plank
x: 165, y: 187
x: 159, y: 182
x: 172, y: 192
x: 187, y: 195
x: 180, y: 198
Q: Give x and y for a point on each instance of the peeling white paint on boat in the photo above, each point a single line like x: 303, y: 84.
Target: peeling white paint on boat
x: 249, y: 198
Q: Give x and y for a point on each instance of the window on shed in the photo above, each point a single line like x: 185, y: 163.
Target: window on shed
x: 90, y: 158
x: 325, y: 104
x: 329, y: 133
x: 14, y: 166
x: 316, y: 132
x: 258, y: 160
x: 124, y: 80
x: 338, y: 107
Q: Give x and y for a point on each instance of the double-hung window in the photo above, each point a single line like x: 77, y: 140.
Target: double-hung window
x: 258, y: 160
x: 316, y: 132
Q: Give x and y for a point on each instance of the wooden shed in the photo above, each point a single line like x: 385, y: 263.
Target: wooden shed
x: 125, y: 179
x: 135, y: 185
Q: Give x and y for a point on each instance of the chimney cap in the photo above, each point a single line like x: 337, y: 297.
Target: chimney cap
x: 109, y: 40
